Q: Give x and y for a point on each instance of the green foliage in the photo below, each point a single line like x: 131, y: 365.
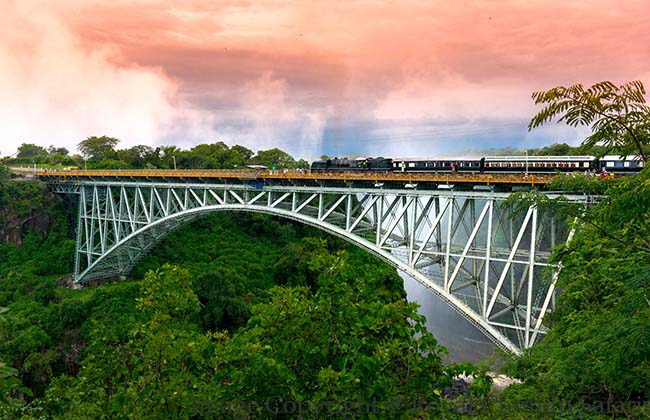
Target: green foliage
x: 149, y: 373
x: 617, y: 115
x: 563, y: 149
x: 297, y: 266
x: 242, y: 151
x: 598, y: 349
x: 333, y: 344
x: 28, y: 211
x: 108, y: 163
x: 274, y: 158
x: 9, y: 381
x: 166, y: 294
x: 584, y: 184
x: 5, y: 173
x: 9, y: 387
x: 100, y: 153
x: 52, y: 150
x: 222, y: 299
x: 21, y: 199
x: 138, y: 156
x: 98, y: 148
x: 207, y: 156
x: 27, y: 151
x: 556, y: 149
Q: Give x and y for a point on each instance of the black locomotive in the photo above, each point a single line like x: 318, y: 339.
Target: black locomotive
x: 361, y: 164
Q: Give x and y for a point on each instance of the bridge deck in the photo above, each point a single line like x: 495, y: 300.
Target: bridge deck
x: 291, y: 175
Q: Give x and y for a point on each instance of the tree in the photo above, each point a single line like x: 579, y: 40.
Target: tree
x: 617, y: 115
x: 245, y: 152
x: 209, y: 155
x: 332, y: 344
x: 556, y: 149
x: 274, y: 158
x: 4, y: 172
x: 152, y: 375
x: 168, y: 155
x: 58, y: 150
x: 31, y: 151
x: 59, y: 156
x: 136, y: 156
x: 605, y: 281
x: 98, y: 148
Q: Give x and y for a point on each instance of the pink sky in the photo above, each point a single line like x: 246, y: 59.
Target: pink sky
x: 394, y: 77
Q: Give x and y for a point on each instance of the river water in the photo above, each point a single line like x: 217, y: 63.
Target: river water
x: 463, y: 341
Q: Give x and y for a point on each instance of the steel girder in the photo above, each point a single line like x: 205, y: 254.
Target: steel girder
x: 486, y: 262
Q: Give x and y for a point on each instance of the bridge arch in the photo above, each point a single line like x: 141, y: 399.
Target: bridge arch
x: 188, y: 216
x: 489, y: 266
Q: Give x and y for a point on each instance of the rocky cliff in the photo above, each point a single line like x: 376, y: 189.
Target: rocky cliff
x: 27, y: 206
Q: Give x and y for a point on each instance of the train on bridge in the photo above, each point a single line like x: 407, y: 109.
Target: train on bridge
x: 482, y: 165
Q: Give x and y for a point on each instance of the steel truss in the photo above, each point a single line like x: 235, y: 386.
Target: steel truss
x: 485, y: 261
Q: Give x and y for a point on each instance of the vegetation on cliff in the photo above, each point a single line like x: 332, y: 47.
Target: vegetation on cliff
x: 597, y: 353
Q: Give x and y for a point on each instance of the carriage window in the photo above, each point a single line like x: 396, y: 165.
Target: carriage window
x: 610, y: 164
x: 411, y: 164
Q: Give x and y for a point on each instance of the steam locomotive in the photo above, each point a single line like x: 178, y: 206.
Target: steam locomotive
x: 489, y: 164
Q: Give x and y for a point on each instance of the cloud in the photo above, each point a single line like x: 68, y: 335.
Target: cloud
x: 304, y: 76
x: 266, y: 116
x: 54, y: 92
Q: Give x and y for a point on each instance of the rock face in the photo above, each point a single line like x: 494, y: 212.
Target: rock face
x: 25, y: 207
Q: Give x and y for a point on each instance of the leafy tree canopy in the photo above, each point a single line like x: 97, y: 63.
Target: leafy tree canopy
x: 617, y: 115
x: 139, y: 156
x: 58, y: 151
x: 31, y: 151
x: 274, y: 157
x: 4, y: 172
x: 598, y: 347
x: 98, y: 148
x: 244, y: 152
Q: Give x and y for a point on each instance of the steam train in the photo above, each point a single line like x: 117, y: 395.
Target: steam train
x: 491, y: 164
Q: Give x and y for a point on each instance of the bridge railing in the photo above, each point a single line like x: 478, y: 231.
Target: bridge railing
x: 278, y: 174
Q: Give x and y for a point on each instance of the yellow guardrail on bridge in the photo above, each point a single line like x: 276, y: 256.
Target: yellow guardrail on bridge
x: 292, y: 174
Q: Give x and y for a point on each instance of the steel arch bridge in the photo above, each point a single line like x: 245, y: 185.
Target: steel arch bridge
x: 487, y: 262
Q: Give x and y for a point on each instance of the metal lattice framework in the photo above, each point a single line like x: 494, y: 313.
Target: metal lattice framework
x: 485, y: 261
